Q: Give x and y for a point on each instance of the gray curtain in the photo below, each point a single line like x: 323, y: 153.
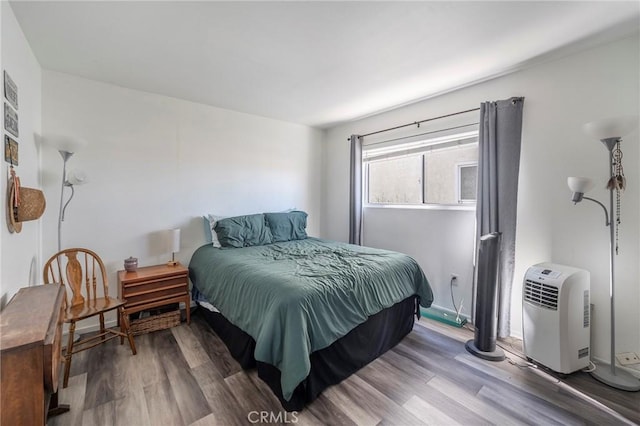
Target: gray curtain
x: 355, y: 194
x: 500, y: 135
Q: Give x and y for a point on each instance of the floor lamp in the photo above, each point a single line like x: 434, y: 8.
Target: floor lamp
x: 66, y: 147
x: 610, y: 133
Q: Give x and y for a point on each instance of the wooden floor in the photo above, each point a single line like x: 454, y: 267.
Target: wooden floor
x: 185, y: 376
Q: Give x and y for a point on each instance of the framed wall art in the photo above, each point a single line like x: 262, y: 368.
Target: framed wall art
x: 10, y: 120
x: 10, y: 90
x: 10, y: 150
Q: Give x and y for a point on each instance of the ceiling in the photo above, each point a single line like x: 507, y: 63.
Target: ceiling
x: 314, y: 63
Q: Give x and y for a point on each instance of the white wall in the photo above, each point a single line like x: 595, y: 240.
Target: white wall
x: 20, y: 253
x: 560, y: 96
x: 155, y: 163
x: 441, y: 241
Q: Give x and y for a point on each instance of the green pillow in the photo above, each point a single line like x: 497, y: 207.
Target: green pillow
x: 287, y: 226
x: 243, y: 231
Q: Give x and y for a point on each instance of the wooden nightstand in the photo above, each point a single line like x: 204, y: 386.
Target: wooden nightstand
x: 154, y: 286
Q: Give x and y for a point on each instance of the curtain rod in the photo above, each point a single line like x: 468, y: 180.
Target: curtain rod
x: 423, y: 134
x: 417, y: 123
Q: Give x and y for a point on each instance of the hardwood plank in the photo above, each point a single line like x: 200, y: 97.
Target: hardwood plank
x: 209, y: 420
x: 454, y: 371
x: 264, y: 389
x: 580, y: 383
x: 364, y: 403
x: 147, y: 361
x: 73, y: 395
x: 625, y: 403
x: 537, y: 384
x: 396, y: 384
x: 594, y: 410
x: 100, y: 415
x: 436, y: 342
x: 100, y: 382
x: 215, y: 348
x: 429, y: 414
x: 526, y: 408
x: 189, y: 398
x: 360, y: 415
x: 307, y: 418
x: 161, y: 404
x: 191, y: 349
x: 480, y: 407
x: 452, y: 405
x: 222, y: 403
x: 407, y: 364
x: 224, y: 407
x: 324, y: 409
x: 248, y: 395
x: 126, y: 373
x: 132, y: 409
x: 511, y: 371
x: 207, y: 373
x: 78, y: 362
x: 303, y: 417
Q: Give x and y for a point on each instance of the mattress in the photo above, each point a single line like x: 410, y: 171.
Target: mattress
x: 297, y: 297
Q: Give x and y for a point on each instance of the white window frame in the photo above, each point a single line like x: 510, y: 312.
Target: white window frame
x: 459, y: 168
x: 415, y: 147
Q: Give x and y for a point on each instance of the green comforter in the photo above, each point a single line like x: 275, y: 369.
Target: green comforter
x: 297, y: 297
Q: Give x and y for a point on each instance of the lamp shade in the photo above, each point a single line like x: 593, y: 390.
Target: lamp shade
x: 579, y: 184
x: 77, y: 177
x: 607, y: 128
x: 173, y: 240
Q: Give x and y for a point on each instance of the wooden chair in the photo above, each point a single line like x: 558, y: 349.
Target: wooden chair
x: 83, y: 272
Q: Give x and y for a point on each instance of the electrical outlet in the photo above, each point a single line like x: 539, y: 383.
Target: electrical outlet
x: 454, y: 279
x: 628, y: 358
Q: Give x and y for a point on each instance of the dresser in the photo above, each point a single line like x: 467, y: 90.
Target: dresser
x: 30, y: 336
x: 155, y: 286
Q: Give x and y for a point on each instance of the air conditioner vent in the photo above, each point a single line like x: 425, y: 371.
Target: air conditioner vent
x: 585, y: 309
x: 541, y: 294
x: 583, y: 352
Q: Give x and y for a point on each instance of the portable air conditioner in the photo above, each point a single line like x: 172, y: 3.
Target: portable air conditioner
x: 555, y: 317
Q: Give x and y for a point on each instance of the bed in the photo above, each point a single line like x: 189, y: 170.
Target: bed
x: 306, y: 312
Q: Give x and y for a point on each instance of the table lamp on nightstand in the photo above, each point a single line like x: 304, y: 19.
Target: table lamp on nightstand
x: 173, y: 245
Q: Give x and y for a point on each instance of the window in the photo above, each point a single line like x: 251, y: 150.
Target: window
x: 467, y: 182
x: 395, y: 180
x: 439, y: 171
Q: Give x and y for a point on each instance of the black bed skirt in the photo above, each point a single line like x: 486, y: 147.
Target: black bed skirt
x: 330, y: 365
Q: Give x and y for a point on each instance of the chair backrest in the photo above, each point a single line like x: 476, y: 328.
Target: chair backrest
x: 74, y: 267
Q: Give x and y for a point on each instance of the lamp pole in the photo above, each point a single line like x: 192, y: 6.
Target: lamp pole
x: 610, y: 143
x: 65, y: 157
x: 616, y: 379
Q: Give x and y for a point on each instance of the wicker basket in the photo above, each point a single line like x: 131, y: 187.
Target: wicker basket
x: 155, y: 322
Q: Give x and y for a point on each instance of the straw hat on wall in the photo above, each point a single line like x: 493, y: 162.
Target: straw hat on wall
x: 30, y: 205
